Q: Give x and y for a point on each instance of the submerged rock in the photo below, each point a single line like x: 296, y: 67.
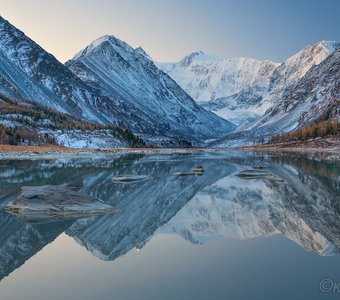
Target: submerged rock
x: 257, y: 174
x: 259, y: 167
x: 56, y: 201
x: 130, y: 178
x: 198, y: 170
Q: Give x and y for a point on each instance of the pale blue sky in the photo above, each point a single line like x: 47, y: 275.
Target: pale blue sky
x: 168, y: 30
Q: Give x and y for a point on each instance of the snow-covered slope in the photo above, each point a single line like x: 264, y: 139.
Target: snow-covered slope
x: 295, y: 67
x: 229, y: 87
x: 28, y: 71
x: 207, y: 77
x: 149, y: 100
x: 315, y: 96
x: 242, y: 89
x: 316, y: 93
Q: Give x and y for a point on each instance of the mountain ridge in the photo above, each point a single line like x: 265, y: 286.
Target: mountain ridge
x: 28, y: 71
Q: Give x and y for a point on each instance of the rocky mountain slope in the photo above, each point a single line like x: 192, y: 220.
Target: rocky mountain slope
x: 149, y: 100
x: 315, y: 96
x: 232, y: 88
x: 316, y: 93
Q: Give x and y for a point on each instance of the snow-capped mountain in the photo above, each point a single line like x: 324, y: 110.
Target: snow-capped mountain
x: 294, y: 68
x: 317, y: 93
x: 315, y: 96
x: 114, y: 83
x: 242, y: 89
x: 232, y: 88
x: 149, y: 100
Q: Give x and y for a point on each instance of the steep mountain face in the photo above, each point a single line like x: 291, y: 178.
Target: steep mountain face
x: 149, y: 100
x: 295, y: 67
x: 28, y: 71
x: 315, y: 96
x: 242, y: 89
x: 232, y: 88
x: 207, y: 77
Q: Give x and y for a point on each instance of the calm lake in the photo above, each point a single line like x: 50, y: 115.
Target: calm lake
x: 250, y: 226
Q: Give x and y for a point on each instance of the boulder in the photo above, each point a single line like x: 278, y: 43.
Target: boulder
x: 56, y: 201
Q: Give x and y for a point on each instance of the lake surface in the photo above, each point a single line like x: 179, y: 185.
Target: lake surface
x: 252, y: 226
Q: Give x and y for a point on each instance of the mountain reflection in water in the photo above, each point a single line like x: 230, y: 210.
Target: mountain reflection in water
x: 296, y: 197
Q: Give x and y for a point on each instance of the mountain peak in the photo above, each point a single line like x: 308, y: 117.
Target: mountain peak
x: 99, y: 42
x: 330, y: 46
x: 141, y: 51
x: 198, y: 56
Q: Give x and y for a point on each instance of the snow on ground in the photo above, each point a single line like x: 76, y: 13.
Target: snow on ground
x: 97, y: 139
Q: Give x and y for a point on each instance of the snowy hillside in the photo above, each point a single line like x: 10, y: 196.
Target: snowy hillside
x: 25, y: 122
x: 313, y: 95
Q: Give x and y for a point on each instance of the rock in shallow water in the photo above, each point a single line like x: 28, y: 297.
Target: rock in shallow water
x: 257, y: 174
x: 48, y: 201
x: 182, y: 174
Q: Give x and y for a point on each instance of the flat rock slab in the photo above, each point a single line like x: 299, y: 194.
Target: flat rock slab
x: 56, y: 201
